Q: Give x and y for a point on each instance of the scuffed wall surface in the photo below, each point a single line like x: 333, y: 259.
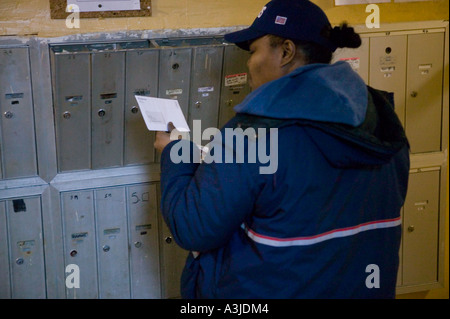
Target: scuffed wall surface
x: 25, y: 17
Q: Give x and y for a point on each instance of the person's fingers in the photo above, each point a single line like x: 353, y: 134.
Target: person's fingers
x: 170, y: 127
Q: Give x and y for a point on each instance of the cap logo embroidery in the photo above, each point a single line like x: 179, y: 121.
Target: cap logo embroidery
x: 280, y: 20
x: 262, y: 11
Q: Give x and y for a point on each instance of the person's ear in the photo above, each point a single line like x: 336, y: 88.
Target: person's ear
x: 289, y: 50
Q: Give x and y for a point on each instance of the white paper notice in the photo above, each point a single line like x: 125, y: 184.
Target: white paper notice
x: 105, y: 5
x: 157, y: 113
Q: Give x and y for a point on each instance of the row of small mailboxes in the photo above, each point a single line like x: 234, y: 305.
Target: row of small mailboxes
x: 138, y: 44
x: 96, y: 117
x: 97, y: 121
x: 113, y: 235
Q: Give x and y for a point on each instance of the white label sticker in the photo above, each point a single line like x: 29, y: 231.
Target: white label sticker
x: 387, y: 60
x: 174, y: 92
x: 354, y: 62
x: 425, y: 66
x: 206, y: 89
x: 236, y: 79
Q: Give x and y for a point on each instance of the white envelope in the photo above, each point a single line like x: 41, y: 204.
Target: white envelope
x: 157, y: 113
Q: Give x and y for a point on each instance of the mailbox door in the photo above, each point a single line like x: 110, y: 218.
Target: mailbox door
x: 141, y: 79
x: 424, y: 91
x: 235, y: 85
x: 357, y: 58
x: 5, y: 286
x: 79, y: 241
x: 72, y: 103
x: 175, y: 75
x: 112, y: 248
x: 388, y: 68
x: 205, y: 86
x: 173, y: 259
x: 108, y: 81
x: 26, y: 248
x: 18, y: 144
x: 143, y: 229
x: 420, y: 228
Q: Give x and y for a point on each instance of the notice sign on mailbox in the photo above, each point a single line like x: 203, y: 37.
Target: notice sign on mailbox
x: 158, y: 112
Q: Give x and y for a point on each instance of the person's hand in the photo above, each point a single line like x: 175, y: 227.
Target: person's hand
x: 164, y: 138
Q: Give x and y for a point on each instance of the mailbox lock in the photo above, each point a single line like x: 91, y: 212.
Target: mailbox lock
x: 175, y: 66
x: 9, y: 114
x: 198, y: 104
x: 67, y: 115
x: 411, y: 228
x: 19, y: 261
x: 168, y: 239
x: 106, y: 248
x: 137, y: 244
x: 413, y: 94
x: 134, y: 109
x: 73, y: 253
x: 101, y: 112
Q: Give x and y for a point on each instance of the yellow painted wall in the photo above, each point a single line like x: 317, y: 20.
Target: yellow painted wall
x: 25, y: 17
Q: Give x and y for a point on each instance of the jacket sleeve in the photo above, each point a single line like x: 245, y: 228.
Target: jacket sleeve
x: 204, y: 204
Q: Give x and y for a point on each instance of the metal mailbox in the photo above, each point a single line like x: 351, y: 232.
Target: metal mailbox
x: 72, y: 103
x: 21, y: 250
x: 173, y: 259
x: 80, y: 242
x: 357, y: 58
x: 424, y: 91
x: 17, y: 130
x: 144, y: 244
x: 141, y: 79
x: 388, y: 68
x: 235, y: 85
x: 205, y: 86
x: 112, y: 239
x: 108, y: 88
x: 175, y: 75
x: 420, y: 228
x: 5, y: 287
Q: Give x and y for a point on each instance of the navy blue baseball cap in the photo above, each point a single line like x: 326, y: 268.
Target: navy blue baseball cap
x: 292, y: 19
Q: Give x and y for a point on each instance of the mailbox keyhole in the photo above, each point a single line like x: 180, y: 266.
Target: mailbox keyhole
x: 175, y: 66
x: 9, y: 114
x: 101, y: 112
x: 388, y: 50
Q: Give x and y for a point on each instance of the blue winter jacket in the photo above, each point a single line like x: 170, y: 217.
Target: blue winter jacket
x: 323, y: 219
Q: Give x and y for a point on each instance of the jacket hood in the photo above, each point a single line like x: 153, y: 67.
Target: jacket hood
x: 352, y: 125
x: 319, y: 92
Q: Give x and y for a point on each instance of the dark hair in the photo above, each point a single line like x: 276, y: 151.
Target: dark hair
x: 342, y: 36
